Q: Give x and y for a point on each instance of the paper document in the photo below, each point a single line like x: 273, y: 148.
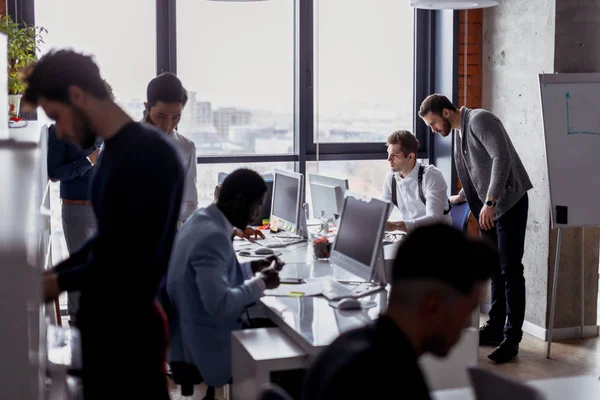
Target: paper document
x: 303, y: 289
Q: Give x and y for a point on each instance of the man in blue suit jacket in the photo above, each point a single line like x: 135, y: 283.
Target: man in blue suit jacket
x: 207, y: 287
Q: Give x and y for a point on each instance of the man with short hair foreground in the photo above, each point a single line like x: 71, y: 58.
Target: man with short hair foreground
x: 428, y: 308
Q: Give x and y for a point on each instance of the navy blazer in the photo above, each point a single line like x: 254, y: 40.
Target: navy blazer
x: 68, y: 164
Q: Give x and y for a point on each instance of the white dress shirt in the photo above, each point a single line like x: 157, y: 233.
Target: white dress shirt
x: 412, y: 210
x: 187, y: 149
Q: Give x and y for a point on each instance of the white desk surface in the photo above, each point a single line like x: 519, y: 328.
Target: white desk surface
x: 310, y: 321
x: 575, y: 388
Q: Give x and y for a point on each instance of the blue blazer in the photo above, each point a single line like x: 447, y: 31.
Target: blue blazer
x: 208, y: 290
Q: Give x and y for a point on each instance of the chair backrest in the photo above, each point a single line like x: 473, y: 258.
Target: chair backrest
x: 460, y: 214
x: 491, y: 386
x: 273, y: 392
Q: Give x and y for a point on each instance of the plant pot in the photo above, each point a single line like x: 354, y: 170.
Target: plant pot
x: 14, y: 103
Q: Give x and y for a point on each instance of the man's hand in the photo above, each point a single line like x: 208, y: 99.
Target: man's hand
x: 259, y: 265
x: 94, y: 156
x: 456, y: 199
x: 391, y: 226
x: 486, y: 218
x: 270, y: 276
x: 50, y: 286
x: 249, y: 234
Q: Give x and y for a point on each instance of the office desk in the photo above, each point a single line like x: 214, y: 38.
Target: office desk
x: 575, y: 387
x: 310, y: 322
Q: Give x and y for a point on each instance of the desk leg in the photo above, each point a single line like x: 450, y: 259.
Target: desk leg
x: 554, y: 285
x: 582, y: 280
x: 247, y: 377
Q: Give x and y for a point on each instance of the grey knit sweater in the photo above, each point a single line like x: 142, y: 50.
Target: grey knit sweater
x: 487, y: 162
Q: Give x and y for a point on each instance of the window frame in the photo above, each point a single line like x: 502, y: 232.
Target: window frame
x: 426, y: 69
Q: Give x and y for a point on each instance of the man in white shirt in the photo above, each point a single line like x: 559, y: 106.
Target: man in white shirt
x: 165, y: 99
x: 418, y: 191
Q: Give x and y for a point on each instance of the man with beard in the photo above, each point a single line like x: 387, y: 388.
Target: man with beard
x: 428, y: 307
x: 136, y: 196
x: 495, y: 184
x: 74, y: 168
x: 419, y: 191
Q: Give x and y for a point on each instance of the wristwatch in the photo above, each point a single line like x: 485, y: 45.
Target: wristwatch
x: 490, y: 202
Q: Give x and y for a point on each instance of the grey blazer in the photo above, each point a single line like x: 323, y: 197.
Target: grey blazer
x: 487, y: 162
x: 208, y: 290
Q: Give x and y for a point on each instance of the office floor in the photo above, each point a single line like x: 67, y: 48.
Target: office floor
x: 568, y: 357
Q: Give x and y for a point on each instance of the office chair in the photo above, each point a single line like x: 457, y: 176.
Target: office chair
x: 186, y: 376
x: 491, y: 386
x: 273, y: 392
x: 460, y: 214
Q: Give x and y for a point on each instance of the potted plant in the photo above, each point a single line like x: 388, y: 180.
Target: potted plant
x: 23, y: 43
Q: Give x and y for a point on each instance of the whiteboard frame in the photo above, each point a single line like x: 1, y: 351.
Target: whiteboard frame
x: 560, y: 78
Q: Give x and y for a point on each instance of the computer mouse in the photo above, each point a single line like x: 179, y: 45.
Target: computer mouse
x: 244, y: 253
x: 264, y: 251
x: 349, y: 304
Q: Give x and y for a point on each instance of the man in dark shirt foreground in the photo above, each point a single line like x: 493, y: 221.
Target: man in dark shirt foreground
x: 136, y: 195
x: 430, y: 303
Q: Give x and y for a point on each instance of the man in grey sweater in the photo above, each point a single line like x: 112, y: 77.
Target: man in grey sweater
x: 495, y: 185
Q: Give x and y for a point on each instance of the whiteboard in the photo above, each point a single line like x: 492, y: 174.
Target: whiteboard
x: 571, y: 119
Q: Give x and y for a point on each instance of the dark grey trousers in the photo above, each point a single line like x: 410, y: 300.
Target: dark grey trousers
x: 79, y: 224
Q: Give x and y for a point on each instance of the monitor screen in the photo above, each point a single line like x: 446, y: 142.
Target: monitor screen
x: 358, y: 232
x: 286, y: 198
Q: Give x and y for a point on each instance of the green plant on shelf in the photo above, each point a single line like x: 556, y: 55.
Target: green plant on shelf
x: 24, y: 42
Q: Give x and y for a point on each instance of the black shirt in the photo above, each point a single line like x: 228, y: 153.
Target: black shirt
x: 68, y: 164
x: 373, y: 362
x: 136, y: 195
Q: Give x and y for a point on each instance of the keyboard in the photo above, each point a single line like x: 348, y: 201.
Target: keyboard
x: 274, y: 243
x: 333, y: 290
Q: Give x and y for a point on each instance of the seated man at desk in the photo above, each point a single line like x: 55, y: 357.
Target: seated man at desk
x: 418, y: 191
x: 207, y: 287
x: 428, y: 307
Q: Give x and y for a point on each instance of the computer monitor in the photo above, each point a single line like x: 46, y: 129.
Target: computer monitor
x: 287, y: 201
x: 326, y: 201
x: 320, y: 204
x: 360, y: 232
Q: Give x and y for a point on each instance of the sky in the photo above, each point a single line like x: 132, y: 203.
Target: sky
x: 242, y: 54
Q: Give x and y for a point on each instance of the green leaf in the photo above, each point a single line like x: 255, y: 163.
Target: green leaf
x: 23, y: 41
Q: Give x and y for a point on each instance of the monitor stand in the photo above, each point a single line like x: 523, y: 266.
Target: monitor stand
x: 302, y: 225
x: 381, y: 275
x: 378, y: 280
